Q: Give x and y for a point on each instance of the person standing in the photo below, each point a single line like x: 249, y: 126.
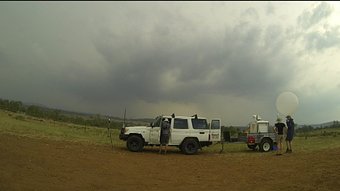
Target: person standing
x: 290, y: 133
x: 279, y: 127
x: 165, y: 134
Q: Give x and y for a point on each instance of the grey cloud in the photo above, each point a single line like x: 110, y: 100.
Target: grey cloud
x: 315, y: 39
x: 252, y: 67
x: 274, y: 38
x: 140, y: 54
x: 4, y: 60
x: 311, y: 17
x: 121, y: 53
x: 321, y: 41
x: 270, y: 9
x: 249, y: 15
x: 237, y: 65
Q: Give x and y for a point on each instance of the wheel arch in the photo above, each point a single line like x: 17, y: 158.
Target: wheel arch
x: 139, y: 135
x: 186, y: 138
x: 189, y: 141
x: 267, y: 138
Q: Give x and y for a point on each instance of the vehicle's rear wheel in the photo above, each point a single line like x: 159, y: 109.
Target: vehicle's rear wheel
x: 266, y: 145
x: 252, y: 147
x: 135, y: 143
x: 189, y: 146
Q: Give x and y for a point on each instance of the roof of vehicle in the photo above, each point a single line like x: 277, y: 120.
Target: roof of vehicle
x: 184, y: 117
x: 262, y: 121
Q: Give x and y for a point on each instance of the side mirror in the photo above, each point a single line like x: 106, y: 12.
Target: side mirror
x: 151, y: 124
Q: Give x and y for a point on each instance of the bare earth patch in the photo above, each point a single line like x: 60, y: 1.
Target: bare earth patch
x: 42, y: 164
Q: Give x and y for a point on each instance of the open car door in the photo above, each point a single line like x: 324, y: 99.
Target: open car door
x: 215, y: 130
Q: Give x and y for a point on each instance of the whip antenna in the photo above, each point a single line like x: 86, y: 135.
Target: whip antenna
x: 124, y: 118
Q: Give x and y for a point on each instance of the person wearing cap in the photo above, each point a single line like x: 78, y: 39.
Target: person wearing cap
x: 290, y: 133
x: 279, y: 127
x: 165, y: 134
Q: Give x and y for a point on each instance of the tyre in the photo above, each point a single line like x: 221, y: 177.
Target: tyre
x: 266, y: 145
x: 135, y: 143
x: 252, y: 147
x: 189, y: 146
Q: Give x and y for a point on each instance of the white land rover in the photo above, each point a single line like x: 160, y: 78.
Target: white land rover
x: 187, y: 133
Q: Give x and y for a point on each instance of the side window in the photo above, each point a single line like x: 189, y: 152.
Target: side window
x: 181, y: 124
x: 215, y: 124
x: 199, y: 124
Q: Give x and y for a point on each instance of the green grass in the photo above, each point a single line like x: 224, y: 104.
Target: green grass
x: 22, y: 125
x: 316, y: 143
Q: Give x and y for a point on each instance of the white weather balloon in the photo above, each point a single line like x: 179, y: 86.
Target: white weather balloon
x: 287, y: 103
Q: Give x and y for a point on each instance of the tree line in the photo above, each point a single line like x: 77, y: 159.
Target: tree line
x: 58, y: 115
x: 309, y: 128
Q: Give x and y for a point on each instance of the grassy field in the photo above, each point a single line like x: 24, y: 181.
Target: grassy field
x: 22, y: 125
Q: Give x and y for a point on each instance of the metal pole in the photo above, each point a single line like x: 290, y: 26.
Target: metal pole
x: 222, y: 141
x: 110, y: 133
x: 108, y: 129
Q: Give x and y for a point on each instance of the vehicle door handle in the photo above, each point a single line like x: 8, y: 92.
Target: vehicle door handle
x: 201, y: 132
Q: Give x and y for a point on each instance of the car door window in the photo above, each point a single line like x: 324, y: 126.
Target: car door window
x: 181, y: 124
x: 199, y: 124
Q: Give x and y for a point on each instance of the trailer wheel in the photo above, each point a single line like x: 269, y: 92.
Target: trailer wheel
x: 266, y: 145
x: 135, y: 143
x: 189, y: 146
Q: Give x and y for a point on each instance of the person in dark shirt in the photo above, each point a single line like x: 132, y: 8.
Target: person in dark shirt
x: 165, y: 134
x: 290, y: 133
x: 279, y: 127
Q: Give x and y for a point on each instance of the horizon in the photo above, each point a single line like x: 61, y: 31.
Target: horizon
x: 140, y: 118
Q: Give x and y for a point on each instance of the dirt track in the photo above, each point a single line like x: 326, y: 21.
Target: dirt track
x: 40, y: 164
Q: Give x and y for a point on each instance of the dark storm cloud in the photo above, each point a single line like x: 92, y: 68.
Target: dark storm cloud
x: 247, y: 60
x: 254, y: 59
x: 105, y: 56
x: 4, y: 60
x: 311, y: 17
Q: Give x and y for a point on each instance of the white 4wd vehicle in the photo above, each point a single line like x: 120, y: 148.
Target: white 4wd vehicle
x: 187, y: 133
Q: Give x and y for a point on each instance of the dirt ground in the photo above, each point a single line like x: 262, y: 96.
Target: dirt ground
x: 42, y: 164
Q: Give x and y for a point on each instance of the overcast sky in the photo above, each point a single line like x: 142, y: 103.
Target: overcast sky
x: 217, y: 59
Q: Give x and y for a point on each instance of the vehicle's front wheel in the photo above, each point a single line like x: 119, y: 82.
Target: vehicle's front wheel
x: 189, y: 146
x: 266, y: 145
x: 135, y: 143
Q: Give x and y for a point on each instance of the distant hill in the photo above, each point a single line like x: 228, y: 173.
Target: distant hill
x: 334, y: 123
x: 80, y: 118
x: 89, y: 115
